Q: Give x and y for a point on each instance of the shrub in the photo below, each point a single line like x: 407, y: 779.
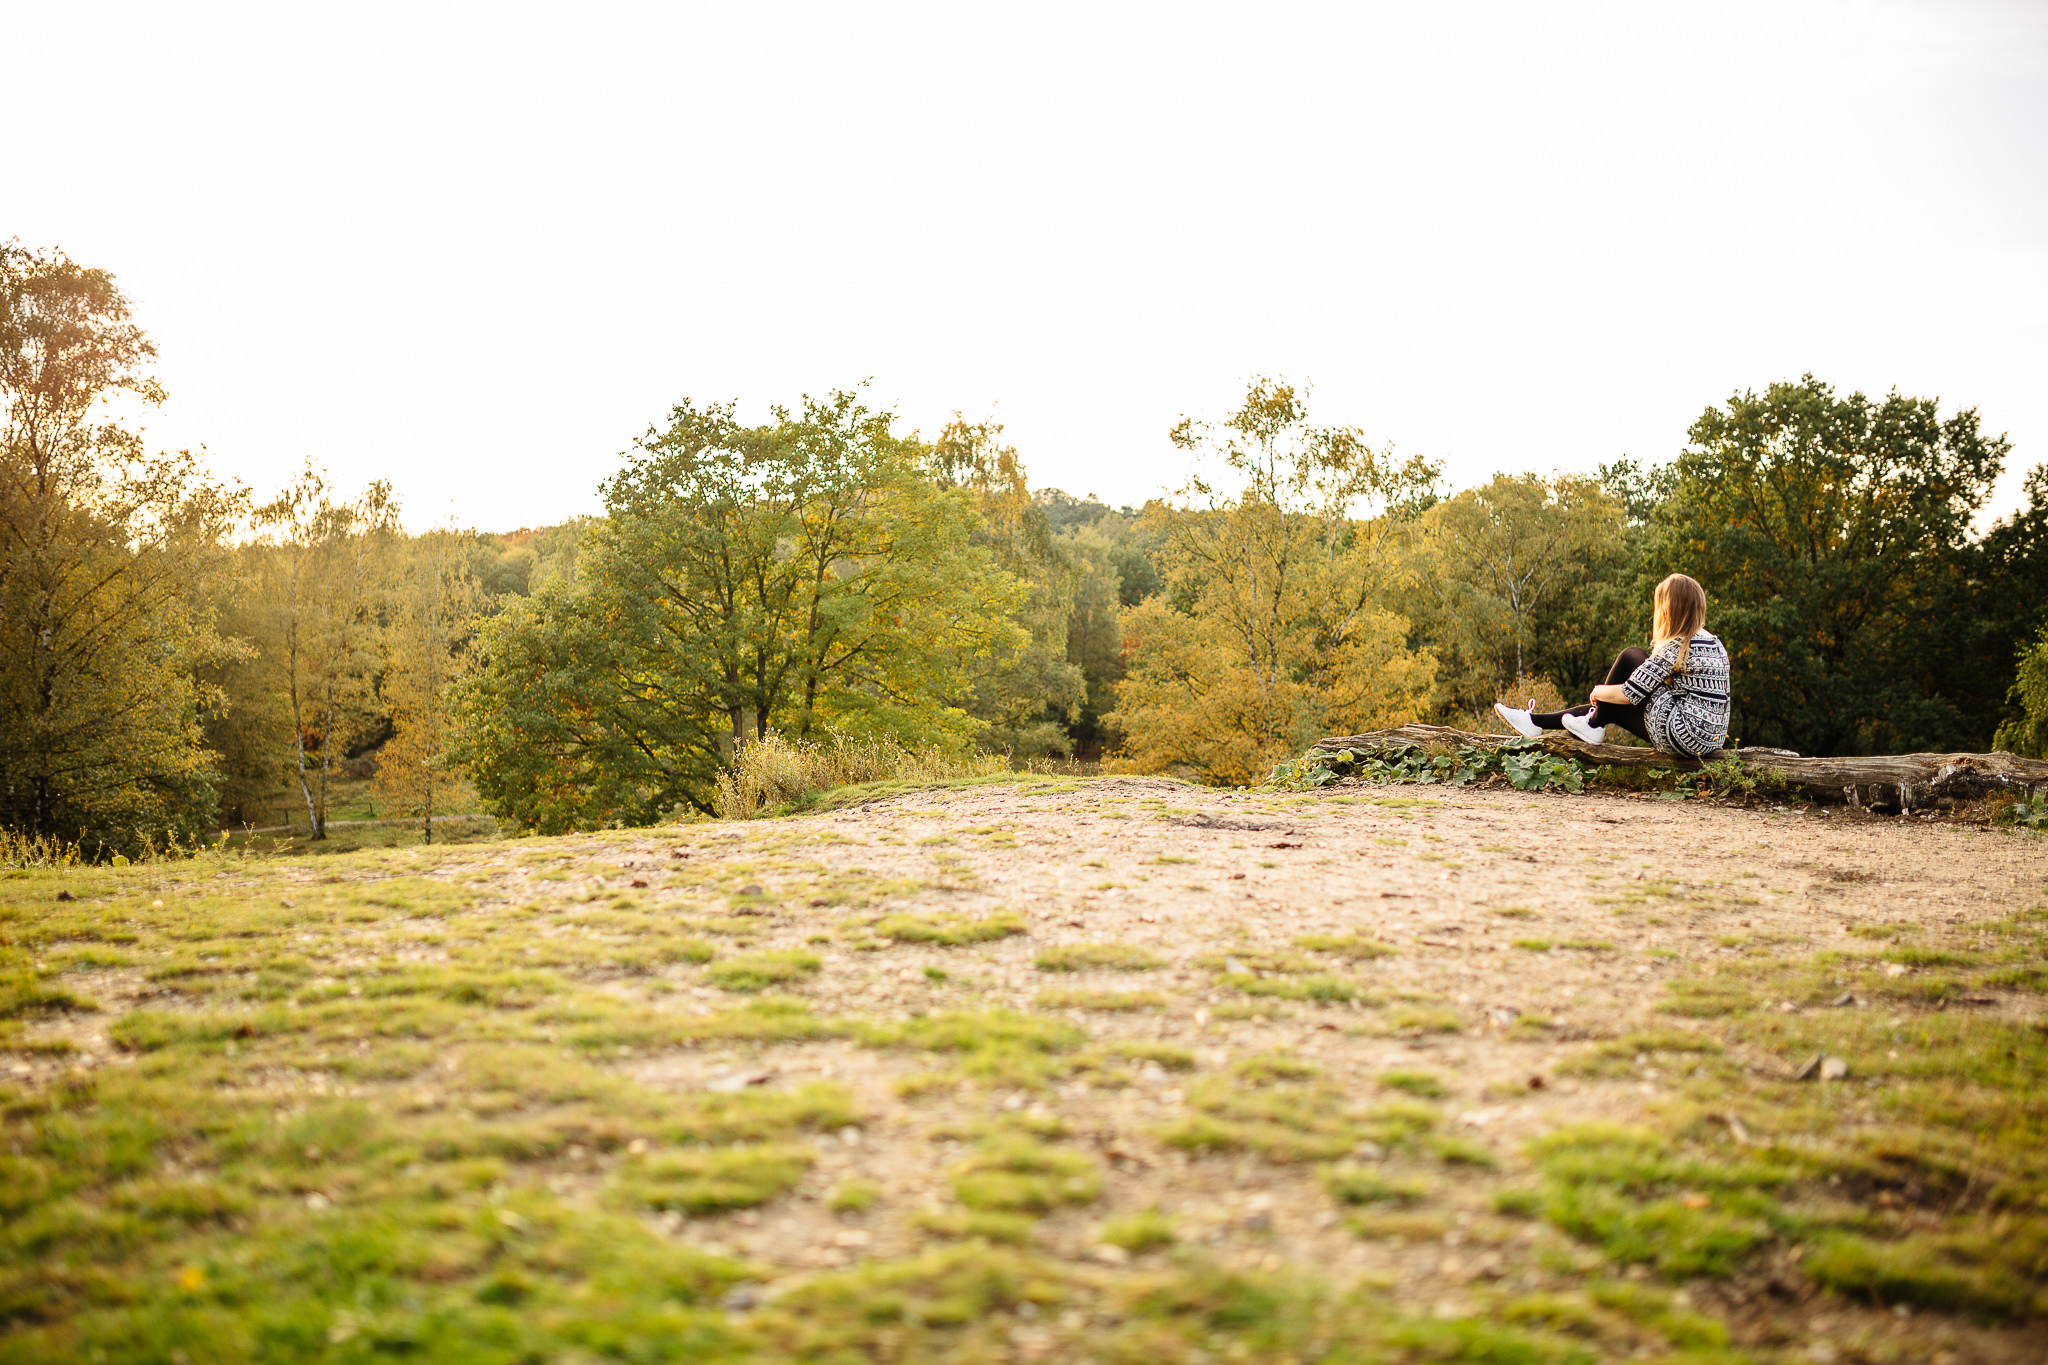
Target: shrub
x: 2028, y: 734
x: 1525, y: 764
x: 21, y: 850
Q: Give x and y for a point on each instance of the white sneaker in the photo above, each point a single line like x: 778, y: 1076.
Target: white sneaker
x: 1592, y: 734
x: 1518, y: 720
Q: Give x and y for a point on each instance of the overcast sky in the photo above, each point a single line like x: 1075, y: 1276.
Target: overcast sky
x: 477, y: 249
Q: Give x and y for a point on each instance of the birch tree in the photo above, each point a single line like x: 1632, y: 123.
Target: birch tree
x: 431, y: 611
x: 1492, y: 566
x: 326, y: 576
x: 1271, y: 629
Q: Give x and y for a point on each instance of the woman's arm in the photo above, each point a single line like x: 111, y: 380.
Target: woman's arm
x: 1610, y: 692
x: 1651, y: 674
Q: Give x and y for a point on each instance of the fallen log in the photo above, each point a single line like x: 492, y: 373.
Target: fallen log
x: 1881, y: 782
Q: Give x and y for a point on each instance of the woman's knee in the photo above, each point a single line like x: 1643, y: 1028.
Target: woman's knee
x: 1626, y: 663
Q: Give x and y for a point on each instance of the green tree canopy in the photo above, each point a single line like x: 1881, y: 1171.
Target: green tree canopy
x: 803, y: 575
x: 1026, y: 699
x: 2027, y: 733
x: 1832, y: 535
x: 1505, y: 568
x: 106, y: 559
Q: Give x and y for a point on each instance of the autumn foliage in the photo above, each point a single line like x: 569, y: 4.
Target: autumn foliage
x: 763, y: 605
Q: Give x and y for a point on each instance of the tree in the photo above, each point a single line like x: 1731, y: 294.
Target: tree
x: 1832, y: 535
x: 1095, y: 635
x: 562, y: 724
x: 1269, y: 631
x: 329, y: 569
x: 249, y: 728
x: 1517, y: 539
x: 2028, y: 733
x: 1027, y: 699
x: 107, y: 559
x: 1495, y: 561
x: 2011, y: 617
x: 805, y: 575
x: 430, y: 613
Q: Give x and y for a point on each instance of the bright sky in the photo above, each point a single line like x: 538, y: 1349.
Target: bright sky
x: 477, y: 248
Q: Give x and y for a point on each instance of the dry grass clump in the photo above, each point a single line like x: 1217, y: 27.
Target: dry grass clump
x: 776, y: 772
x: 18, y: 850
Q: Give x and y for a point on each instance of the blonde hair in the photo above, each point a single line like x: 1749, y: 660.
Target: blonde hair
x: 1680, y: 609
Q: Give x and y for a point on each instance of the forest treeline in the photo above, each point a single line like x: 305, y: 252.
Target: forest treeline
x: 174, y: 650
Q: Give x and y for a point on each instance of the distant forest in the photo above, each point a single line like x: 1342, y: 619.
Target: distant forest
x: 174, y: 652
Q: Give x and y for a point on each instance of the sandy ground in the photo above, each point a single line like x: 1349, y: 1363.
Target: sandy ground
x: 1430, y: 871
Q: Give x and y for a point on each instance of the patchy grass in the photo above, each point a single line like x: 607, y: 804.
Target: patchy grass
x: 1915, y: 1180
x: 24, y: 995
x: 1355, y: 947
x: 1644, y: 1200
x: 1365, y: 1185
x: 712, y: 1181
x: 1709, y: 998
x: 1419, y: 1083
x: 1163, y: 1055
x: 950, y: 931
x: 610, y: 1027
x: 1013, y: 1173
x: 1583, y: 945
x: 1633, y: 1052
x: 1321, y: 989
x: 995, y: 1047
x: 560, y: 1099
x: 1284, y: 1110
x: 1079, y: 998
x: 1418, y: 1020
x: 855, y: 1196
x: 1138, y: 1233
x: 1097, y: 957
x: 758, y: 971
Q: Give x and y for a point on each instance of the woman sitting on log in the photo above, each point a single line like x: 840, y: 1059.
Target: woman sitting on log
x: 1675, y: 695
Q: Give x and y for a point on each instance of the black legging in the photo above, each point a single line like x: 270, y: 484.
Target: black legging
x: 1625, y: 714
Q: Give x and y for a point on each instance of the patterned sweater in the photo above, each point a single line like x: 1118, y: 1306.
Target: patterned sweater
x: 1685, y: 713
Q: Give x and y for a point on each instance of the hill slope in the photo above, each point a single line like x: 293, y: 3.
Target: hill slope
x: 1057, y: 1069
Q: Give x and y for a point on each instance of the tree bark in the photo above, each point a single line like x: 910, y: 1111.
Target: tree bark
x: 1883, y: 782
